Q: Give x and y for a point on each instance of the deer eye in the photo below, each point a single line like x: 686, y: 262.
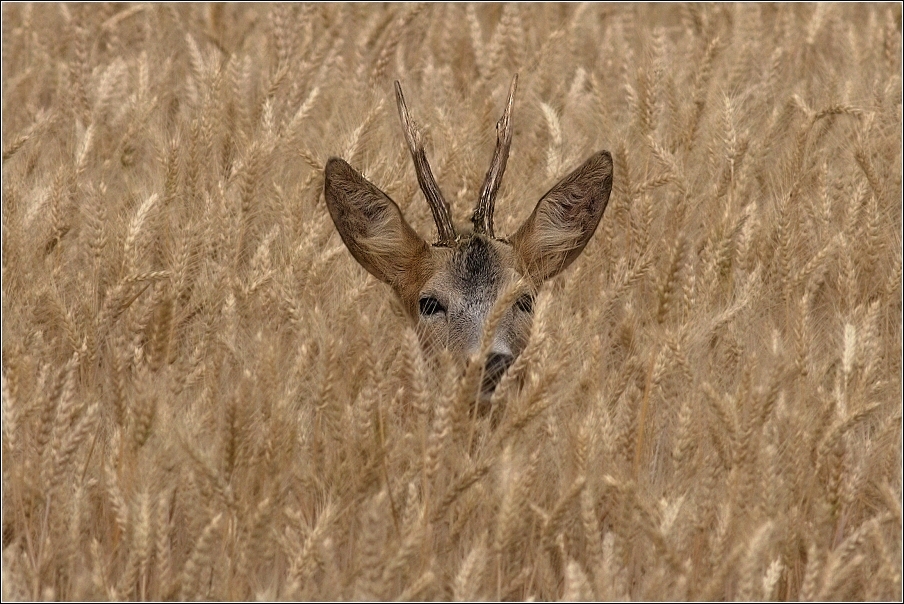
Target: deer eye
x: 430, y: 306
x: 525, y: 303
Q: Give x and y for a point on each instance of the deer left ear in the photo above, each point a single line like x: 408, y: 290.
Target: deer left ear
x: 371, y: 225
x: 564, y: 220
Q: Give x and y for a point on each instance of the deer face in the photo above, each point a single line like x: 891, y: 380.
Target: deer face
x: 451, y: 288
x: 455, y: 302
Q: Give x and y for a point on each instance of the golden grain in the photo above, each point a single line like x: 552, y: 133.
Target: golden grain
x: 205, y: 397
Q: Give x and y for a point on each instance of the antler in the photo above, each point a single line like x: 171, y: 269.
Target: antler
x: 483, y: 213
x: 438, y: 205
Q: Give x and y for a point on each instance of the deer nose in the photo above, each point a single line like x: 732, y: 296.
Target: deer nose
x: 493, y: 370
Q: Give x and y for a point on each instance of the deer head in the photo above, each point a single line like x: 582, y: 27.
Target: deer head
x: 449, y: 289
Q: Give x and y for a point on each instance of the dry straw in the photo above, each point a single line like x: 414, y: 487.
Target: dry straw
x: 204, y: 397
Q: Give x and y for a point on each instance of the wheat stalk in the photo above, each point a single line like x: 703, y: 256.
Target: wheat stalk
x: 205, y: 397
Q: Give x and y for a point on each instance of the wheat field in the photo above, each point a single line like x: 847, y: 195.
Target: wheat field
x: 205, y: 397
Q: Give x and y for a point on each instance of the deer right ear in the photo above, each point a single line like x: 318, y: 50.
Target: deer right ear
x: 564, y: 220
x: 371, y: 224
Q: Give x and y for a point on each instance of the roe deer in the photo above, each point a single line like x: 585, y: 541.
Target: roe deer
x: 448, y: 289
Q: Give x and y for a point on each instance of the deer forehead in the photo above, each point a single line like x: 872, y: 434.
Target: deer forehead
x: 471, y: 273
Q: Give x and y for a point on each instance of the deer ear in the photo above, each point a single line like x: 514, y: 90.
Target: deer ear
x: 370, y: 224
x: 564, y: 219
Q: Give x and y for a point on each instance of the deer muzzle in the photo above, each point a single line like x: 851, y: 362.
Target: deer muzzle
x: 493, y: 372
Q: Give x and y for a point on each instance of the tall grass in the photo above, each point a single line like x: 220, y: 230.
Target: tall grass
x: 204, y: 396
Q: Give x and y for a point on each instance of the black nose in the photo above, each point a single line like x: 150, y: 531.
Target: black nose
x: 492, y: 372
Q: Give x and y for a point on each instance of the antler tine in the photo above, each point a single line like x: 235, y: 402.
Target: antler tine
x: 483, y: 213
x: 438, y: 205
